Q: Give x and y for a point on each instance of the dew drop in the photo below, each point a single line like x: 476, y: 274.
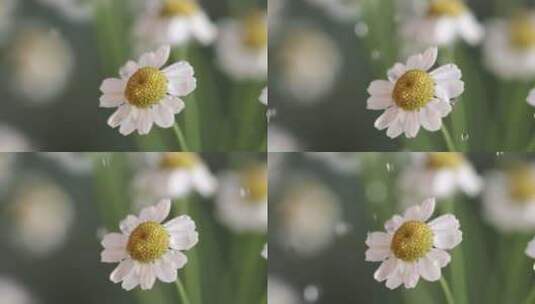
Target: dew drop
x: 311, y: 293
x: 389, y: 167
x: 465, y: 136
x: 499, y: 154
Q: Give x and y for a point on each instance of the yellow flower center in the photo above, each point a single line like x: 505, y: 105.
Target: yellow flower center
x: 148, y: 242
x: 450, y: 8
x: 174, y: 160
x: 522, y: 32
x: 412, y: 241
x: 254, y: 183
x: 256, y: 32
x: 522, y: 184
x: 176, y: 8
x: 444, y: 160
x: 148, y: 86
x: 413, y: 90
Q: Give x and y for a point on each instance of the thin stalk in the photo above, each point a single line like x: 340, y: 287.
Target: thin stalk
x: 181, y: 139
x: 447, y: 139
x: 182, y: 292
x: 447, y: 291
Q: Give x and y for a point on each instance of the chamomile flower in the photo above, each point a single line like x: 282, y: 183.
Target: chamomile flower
x: 309, y: 214
x: 413, y: 97
x: 146, y: 249
x: 442, y: 22
x: 509, y: 49
x: 146, y: 95
x: 412, y: 247
x: 264, y: 96
x: 13, y: 292
x: 42, y: 62
x: 509, y: 198
x: 174, y: 22
x: 242, y: 201
x: 440, y: 175
x: 42, y: 215
x: 176, y: 175
x: 242, y: 47
x: 530, y: 250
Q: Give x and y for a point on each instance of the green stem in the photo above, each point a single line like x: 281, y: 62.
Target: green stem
x: 447, y: 291
x: 530, y: 299
x: 180, y: 137
x: 448, y: 139
x: 182, y: 292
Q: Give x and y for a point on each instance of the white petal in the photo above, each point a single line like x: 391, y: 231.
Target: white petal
x: 162, y: 210
x: 378, y: 239
x: 396, y: 72
x: 381, y: 88
x: 128, y: 69
x: 421, y: 212
x: 165, y: 272
x: 129, y: 224
x: 119, y: 115
x: 113, y: 255
x: 423, y: 61
x: 394, y: 223
x: 430, y: 119
x: 441, y: 257
x: 386, y: 119
x: 176, y: 259
x: 181, y: 80
x: 410, y: 275
x: 155, y: 59
x: 132, y: 279
x: 128, y: 125
x: 440, y: 106
x: 386, y: 269
x: 174, y: 103
x: 121, y: 271
x: 452, y: 88
x: 531, y: 97
x: 412, y: 124
x: 145, y: 121
x: 111, y: 100
x: 147, y: 276
x: 429, y: 269
x: 379, y: 103
x: 163, y: 115
x: 203, y: 29
x: 396, y: 128
x: 530, y: 249
x: 377, y: 254
x: 446, y: 232
x: 183, y: 234
x: 446, y: 72
x: 472, y: 31
x: 114, y: 240
x: 113, y: 86
x: 203, y: 180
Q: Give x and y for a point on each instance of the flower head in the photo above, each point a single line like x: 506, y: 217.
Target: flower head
x: 242, y: 47
x: 413, y: 97
x: 174, y: 22
x: 440, y: 175
x: 146, y: 249
x: 412, y: 247
x: 242, y: 201
x: 509, y: 198
x: 442, y: 22
x: 145, y: 95
x: 509, y: 49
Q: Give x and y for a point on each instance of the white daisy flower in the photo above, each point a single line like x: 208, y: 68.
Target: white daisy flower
x: 413, y: 97
x: 440, y: 175
x: 509, y: 49
x: 13, y: 292
x: 42, y: 215
x: 310, y: 62
x: 442, y: 22
x: 75, y: 10
x: 280, y: 292
x: 340, y: 10
x: 412, y: 248
x: 309, y: 214
x: 42, y: 62
x: 176, y: 175
x: 146, y: 249
x: 264, y: 96
x: 530, y: 250
x: 11, y: 140
x: 145, y: 94
x: 242, y: 201
x: 509, y: 198
x: 174, y: 22
x: 242, y: 47
x: 264, y: 253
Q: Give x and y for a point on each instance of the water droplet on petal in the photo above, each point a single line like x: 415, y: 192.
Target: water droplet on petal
x: 311, y: 293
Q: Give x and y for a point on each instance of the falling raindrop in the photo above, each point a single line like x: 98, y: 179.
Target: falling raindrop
x: 106, y: 161
x: 311, y: 293
x: 465, y: 136
x: 389, y: 167
x: 270, y: 113
x: 499, y: 154
x: 361, y: 29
